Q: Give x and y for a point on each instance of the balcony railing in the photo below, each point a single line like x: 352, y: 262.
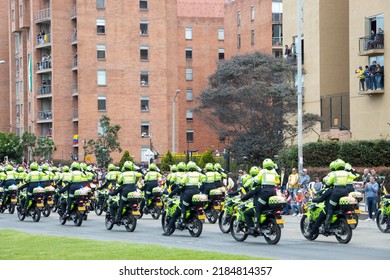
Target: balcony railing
x: 45, y: 90
x: 73, y: 12
x: 75, y: 114
x: 42, y: 40
x: 277, y: 41
x: 74, y: 37
x: 43, y: 15
x: 43, y: 65
x: 75, y: 89
x: 371, y: 85
x: 74, y: 63
x: 45, y: 115
x: 372, y: 45
x: 277, y: 17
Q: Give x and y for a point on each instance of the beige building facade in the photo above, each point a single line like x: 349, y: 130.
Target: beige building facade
x: 335, y: 37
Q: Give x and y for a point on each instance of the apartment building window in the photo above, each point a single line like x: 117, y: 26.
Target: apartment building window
x: 189, y: 96
x: 143, y: 4
x: 189, y: 74
x: 102, y: 103
x: 144, y: 53
x: 13, y: 15
x: 144, y: 27
x: 252, y: 37
x: 188, y: 35
x: 189, y: 115
x: 101, y: 76
x: 335, y: 112
x: 238, y: 18
x: 144, y: 78
x: 21, y: 10
x: 190, y: 135
x: 144, y: 103
x: 101, y: 52
x: 145, y: 128
x: 101, y: 26
x: 188, y: 53
x: 221, y: 54
x: 238, y: 41
x: 252, y: 13
x: 221, y: 34
x: 100, y: 4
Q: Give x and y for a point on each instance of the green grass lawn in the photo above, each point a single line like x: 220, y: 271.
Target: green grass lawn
x: 16, y: 245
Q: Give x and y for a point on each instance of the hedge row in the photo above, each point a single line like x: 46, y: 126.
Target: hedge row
x: 357, y: 153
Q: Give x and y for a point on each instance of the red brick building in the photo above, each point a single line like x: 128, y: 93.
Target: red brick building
x: 125, y: 59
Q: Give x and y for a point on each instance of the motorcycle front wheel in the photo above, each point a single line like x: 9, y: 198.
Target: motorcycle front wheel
x: 343, y: 232
x: 238, y: 229
x: 109, y: 221
x: 130, y: 223
x: 196, y: 228
x: 304, y: 224
x: 224, y: 222
x: 98, y: 209
x: 21, y: 216
x: 381, y: 220
x: 165, y: 221
x: 273, y: 234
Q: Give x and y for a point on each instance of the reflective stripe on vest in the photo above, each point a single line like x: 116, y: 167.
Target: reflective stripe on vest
x: 269, y: 178
x: 128, y: 177
x: 210, y: 177
x: 340, y: 178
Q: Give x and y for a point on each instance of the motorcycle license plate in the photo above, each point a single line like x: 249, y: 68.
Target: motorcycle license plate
x: 280, y: 221
x: 217, y: 207
x: 202, y: 217
x: 14, y: 200
x: 351, y: 221
x: 50, y: 202
x: 81, y: 208
x: 358, y: 211
x: 158, y: 203
x: 88, y: 204
x: 136, y: 213
x: 40, y: 205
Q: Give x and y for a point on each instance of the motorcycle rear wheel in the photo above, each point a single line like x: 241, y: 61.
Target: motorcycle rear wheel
x: 304, y: 224
x: 130, y: 223
x: 224, y: 222
x: 343, y: 232
x: 238, y: 229
x: 381, y: 221
x: 273, y: 237
x: 78, y: 219
x: 212, y: 216
x: 47, y: 210
x: 35, y: 214
x: 156, y: 212
x: 197, y: 228
x: 11, y: 208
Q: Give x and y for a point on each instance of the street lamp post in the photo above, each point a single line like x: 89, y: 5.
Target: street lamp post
x: 299, y: 55
x: 173, y: 120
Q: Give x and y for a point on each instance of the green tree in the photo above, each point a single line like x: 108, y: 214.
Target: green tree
x: 167, y: 161
x: 207, y: 157
x: 28, y: 143
x: 126, y: 157
x: 45, y: 148
x: 10, y: 146
x: 107, y: 142
x: 251, y: 100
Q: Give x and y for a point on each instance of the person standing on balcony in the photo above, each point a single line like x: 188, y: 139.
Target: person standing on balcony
x: 367, y: 75
x: 370, y: 40
x: 373, y: 71
x: 361, y: 77
x: 378, y: 76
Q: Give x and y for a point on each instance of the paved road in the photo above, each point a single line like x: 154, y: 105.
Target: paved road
x: 367, y: 241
